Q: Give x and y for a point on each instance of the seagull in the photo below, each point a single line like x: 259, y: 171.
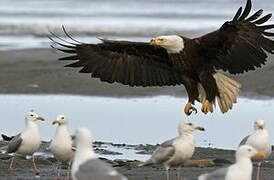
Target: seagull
x: 241, y: 170
x: 176, y: 151
x: 61, y: 144
x: 259, y: 140
x: 85, y: 165
x: 28, y: 141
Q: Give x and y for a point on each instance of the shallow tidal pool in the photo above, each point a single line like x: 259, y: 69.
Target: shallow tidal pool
x: 136, y: 120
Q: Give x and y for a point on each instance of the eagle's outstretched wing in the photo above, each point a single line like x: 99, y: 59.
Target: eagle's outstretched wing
x: 239, y: 45
x: 129, y: 63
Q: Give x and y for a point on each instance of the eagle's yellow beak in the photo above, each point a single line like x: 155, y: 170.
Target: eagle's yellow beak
x: 261, y: 126
x: 156, y: 41
x: 55, y: 121
x: 200, y: 128
x: 259, y: 154
x: 153, y: 41
x: 40, y: 118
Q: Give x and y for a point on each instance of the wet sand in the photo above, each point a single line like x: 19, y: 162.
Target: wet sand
x: 213, y: 159
x: 38, y: 71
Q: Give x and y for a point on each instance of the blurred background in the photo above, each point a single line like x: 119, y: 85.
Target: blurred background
x: 26, y: 23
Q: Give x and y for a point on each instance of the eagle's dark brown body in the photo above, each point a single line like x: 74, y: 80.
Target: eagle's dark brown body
x: 238, y: 46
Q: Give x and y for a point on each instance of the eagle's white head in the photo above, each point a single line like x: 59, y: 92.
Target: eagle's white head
x: 172, y: 43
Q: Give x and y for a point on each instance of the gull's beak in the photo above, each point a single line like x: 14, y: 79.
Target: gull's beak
x: 153, y: 41
x: 55, y: 121
x: 261, y: 126
x: 200, y: 128
x: 40, y: 118
x: 259, y: 154
x: 72, y: 137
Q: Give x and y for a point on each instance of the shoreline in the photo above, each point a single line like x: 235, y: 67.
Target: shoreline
x: 205, y: 159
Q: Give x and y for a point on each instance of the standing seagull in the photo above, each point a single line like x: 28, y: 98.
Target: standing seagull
x: 259, y: 140
x: 61, y: 144
x: 176, y: 151
x: 241, y: 170
x: 86, y: 166
x: 28, y: 141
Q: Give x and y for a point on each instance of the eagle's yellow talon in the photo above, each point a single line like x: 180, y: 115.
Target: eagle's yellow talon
x: 189, y: 109
x: 205, y: 107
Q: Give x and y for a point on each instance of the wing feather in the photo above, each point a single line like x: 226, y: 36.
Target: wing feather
x: 14, y: 143
x: 246, y: 11
x: 239, y: 45
x: 129, y: 63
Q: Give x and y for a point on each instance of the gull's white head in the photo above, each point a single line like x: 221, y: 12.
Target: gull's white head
x: 260, y: 124
x: 172, y: 43
x: 32, y: 117
x: 188, y: 127
x: 246, y: 151
x: 83, y: 137
x: 61, y: 119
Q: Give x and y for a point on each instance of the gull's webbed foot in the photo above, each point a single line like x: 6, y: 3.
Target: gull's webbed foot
x: 205, y: 107
x: 36, y: 170
x: 189, y: 109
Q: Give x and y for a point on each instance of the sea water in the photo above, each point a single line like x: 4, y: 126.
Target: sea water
x: 26, y: 23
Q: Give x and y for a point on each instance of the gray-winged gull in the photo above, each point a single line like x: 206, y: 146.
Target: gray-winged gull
x: 28, y: 141
x: 259, y: 140
x: 176, y: 151
x: 241, y: 170
x: 61, y: 144
x: 85, y: 165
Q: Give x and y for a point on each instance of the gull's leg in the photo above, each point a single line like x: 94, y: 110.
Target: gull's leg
x: 167, y: 173
x: 178, y: 173
x: 58, y: 177
x: 68, y: 171
x: 34, y: 165
x: 11, y: 162
x: 205, y: 107
x: 258, y: 170
x: 189, y: 109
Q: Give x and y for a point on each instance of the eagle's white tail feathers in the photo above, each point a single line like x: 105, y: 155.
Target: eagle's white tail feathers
x: 228, y: 89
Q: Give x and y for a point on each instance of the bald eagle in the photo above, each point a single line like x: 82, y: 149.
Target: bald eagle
x: 240, y: 45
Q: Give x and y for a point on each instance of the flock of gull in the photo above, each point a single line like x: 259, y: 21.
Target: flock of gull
x: 78, y: 152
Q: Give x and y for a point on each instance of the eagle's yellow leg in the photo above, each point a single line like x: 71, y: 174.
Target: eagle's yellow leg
x: 189, y: 109
x: 205, y: 107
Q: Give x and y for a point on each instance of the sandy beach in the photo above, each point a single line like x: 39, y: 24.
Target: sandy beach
x: 211, y: 160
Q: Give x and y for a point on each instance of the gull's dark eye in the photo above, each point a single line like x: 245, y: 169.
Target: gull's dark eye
x: 31, y: 115
x: 249, y: 150
x: 190, y: 124
x: 62, y: 117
